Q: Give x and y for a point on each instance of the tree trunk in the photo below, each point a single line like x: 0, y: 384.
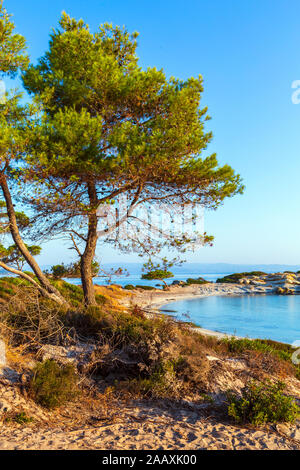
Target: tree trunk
x: 14, y: 230
x: 29, y: 279
x: 88, y: 255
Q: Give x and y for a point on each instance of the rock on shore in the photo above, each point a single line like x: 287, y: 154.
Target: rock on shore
x: 287, y: 283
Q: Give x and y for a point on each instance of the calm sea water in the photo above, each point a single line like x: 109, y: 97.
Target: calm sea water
x: 254, y: 316
x: 135, y: 279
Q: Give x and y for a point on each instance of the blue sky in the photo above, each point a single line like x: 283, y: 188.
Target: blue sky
x: 248, y: 54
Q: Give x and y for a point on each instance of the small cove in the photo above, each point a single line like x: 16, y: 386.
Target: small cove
x: 254, y: 316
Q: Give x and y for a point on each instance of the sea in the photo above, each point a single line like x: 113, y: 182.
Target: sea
x: 253, y: 316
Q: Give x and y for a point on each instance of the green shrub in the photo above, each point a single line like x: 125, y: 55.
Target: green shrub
x: 130, y: 329
x: 200, y: 280
x: 19, y: 418
x: 145, y: 287
x: 262, y: 403
x: 71, y: 292
x: 22, y: 418
x: 233, y: 278
x: 101, y: 299
x: 59, y: 271
x: 123, y: 328
x: 280, y: 350
x: 53, y: 385
x: 132, y: 287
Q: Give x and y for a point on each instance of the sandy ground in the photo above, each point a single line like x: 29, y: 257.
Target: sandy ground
x: 151, y: 429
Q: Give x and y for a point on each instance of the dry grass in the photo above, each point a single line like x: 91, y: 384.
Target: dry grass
x: 113, y: 295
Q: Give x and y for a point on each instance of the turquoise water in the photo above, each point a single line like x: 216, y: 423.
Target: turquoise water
x: 254, y: 316
x: 135, y: 279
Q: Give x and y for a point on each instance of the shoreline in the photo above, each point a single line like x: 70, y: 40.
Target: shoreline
x: 145, y: 300
x: 152, y: 301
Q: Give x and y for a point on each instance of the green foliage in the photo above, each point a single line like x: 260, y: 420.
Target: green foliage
x: 158, y: 271
x: 23, y: 220
x: 280, y: 350
x: 145, y: 287
x: 132, y: 287
x: 176, y: 366
x: 9, y: 286
x: 13, y: 116
x: 232, y: 278
x: 12, y: 46
x: 132, y: 329
x: 53, y: 385
x: 12, y: 256
x: 157, y: 274
x: 74, y: 294
x: 72, y: 270
x: 22, y: 418
x: 129, y: 287
x: 114, y: 125
x: 70, y: 292
x: 262, y: 403
x: 162, y: 383
x: 200, y: 280
x: 122, y: 328
x: 59, y: 270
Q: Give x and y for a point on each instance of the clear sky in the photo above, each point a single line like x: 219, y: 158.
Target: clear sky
x: 248, y: 53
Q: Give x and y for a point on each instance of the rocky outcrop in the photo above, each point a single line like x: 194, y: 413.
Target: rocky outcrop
x: 277, y: 283
x: 80, y: 355
x: 286, y: 283
x: 284, y: 291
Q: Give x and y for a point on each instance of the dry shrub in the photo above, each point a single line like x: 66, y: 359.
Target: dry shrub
x: 264, y: 356
x: 171, y: 368
x: 162, y: 383
x: 28, y: 320
x: 266, y: 363
x: 193, y: 367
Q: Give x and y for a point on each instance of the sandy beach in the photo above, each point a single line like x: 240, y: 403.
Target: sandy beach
x: 152, y: 301
x: 155, y: 299
x: 140, y: 425
x: 151, y: 431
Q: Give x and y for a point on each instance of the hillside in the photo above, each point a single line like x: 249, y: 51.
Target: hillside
x: 115, y: 372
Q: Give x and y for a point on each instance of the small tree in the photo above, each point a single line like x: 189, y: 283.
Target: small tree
x: 72, y: 270
x: 59, y: 270
x: 158, y: 271
x: 13, y: 256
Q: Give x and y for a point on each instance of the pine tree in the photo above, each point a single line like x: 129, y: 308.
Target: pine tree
x: 111, y: 128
